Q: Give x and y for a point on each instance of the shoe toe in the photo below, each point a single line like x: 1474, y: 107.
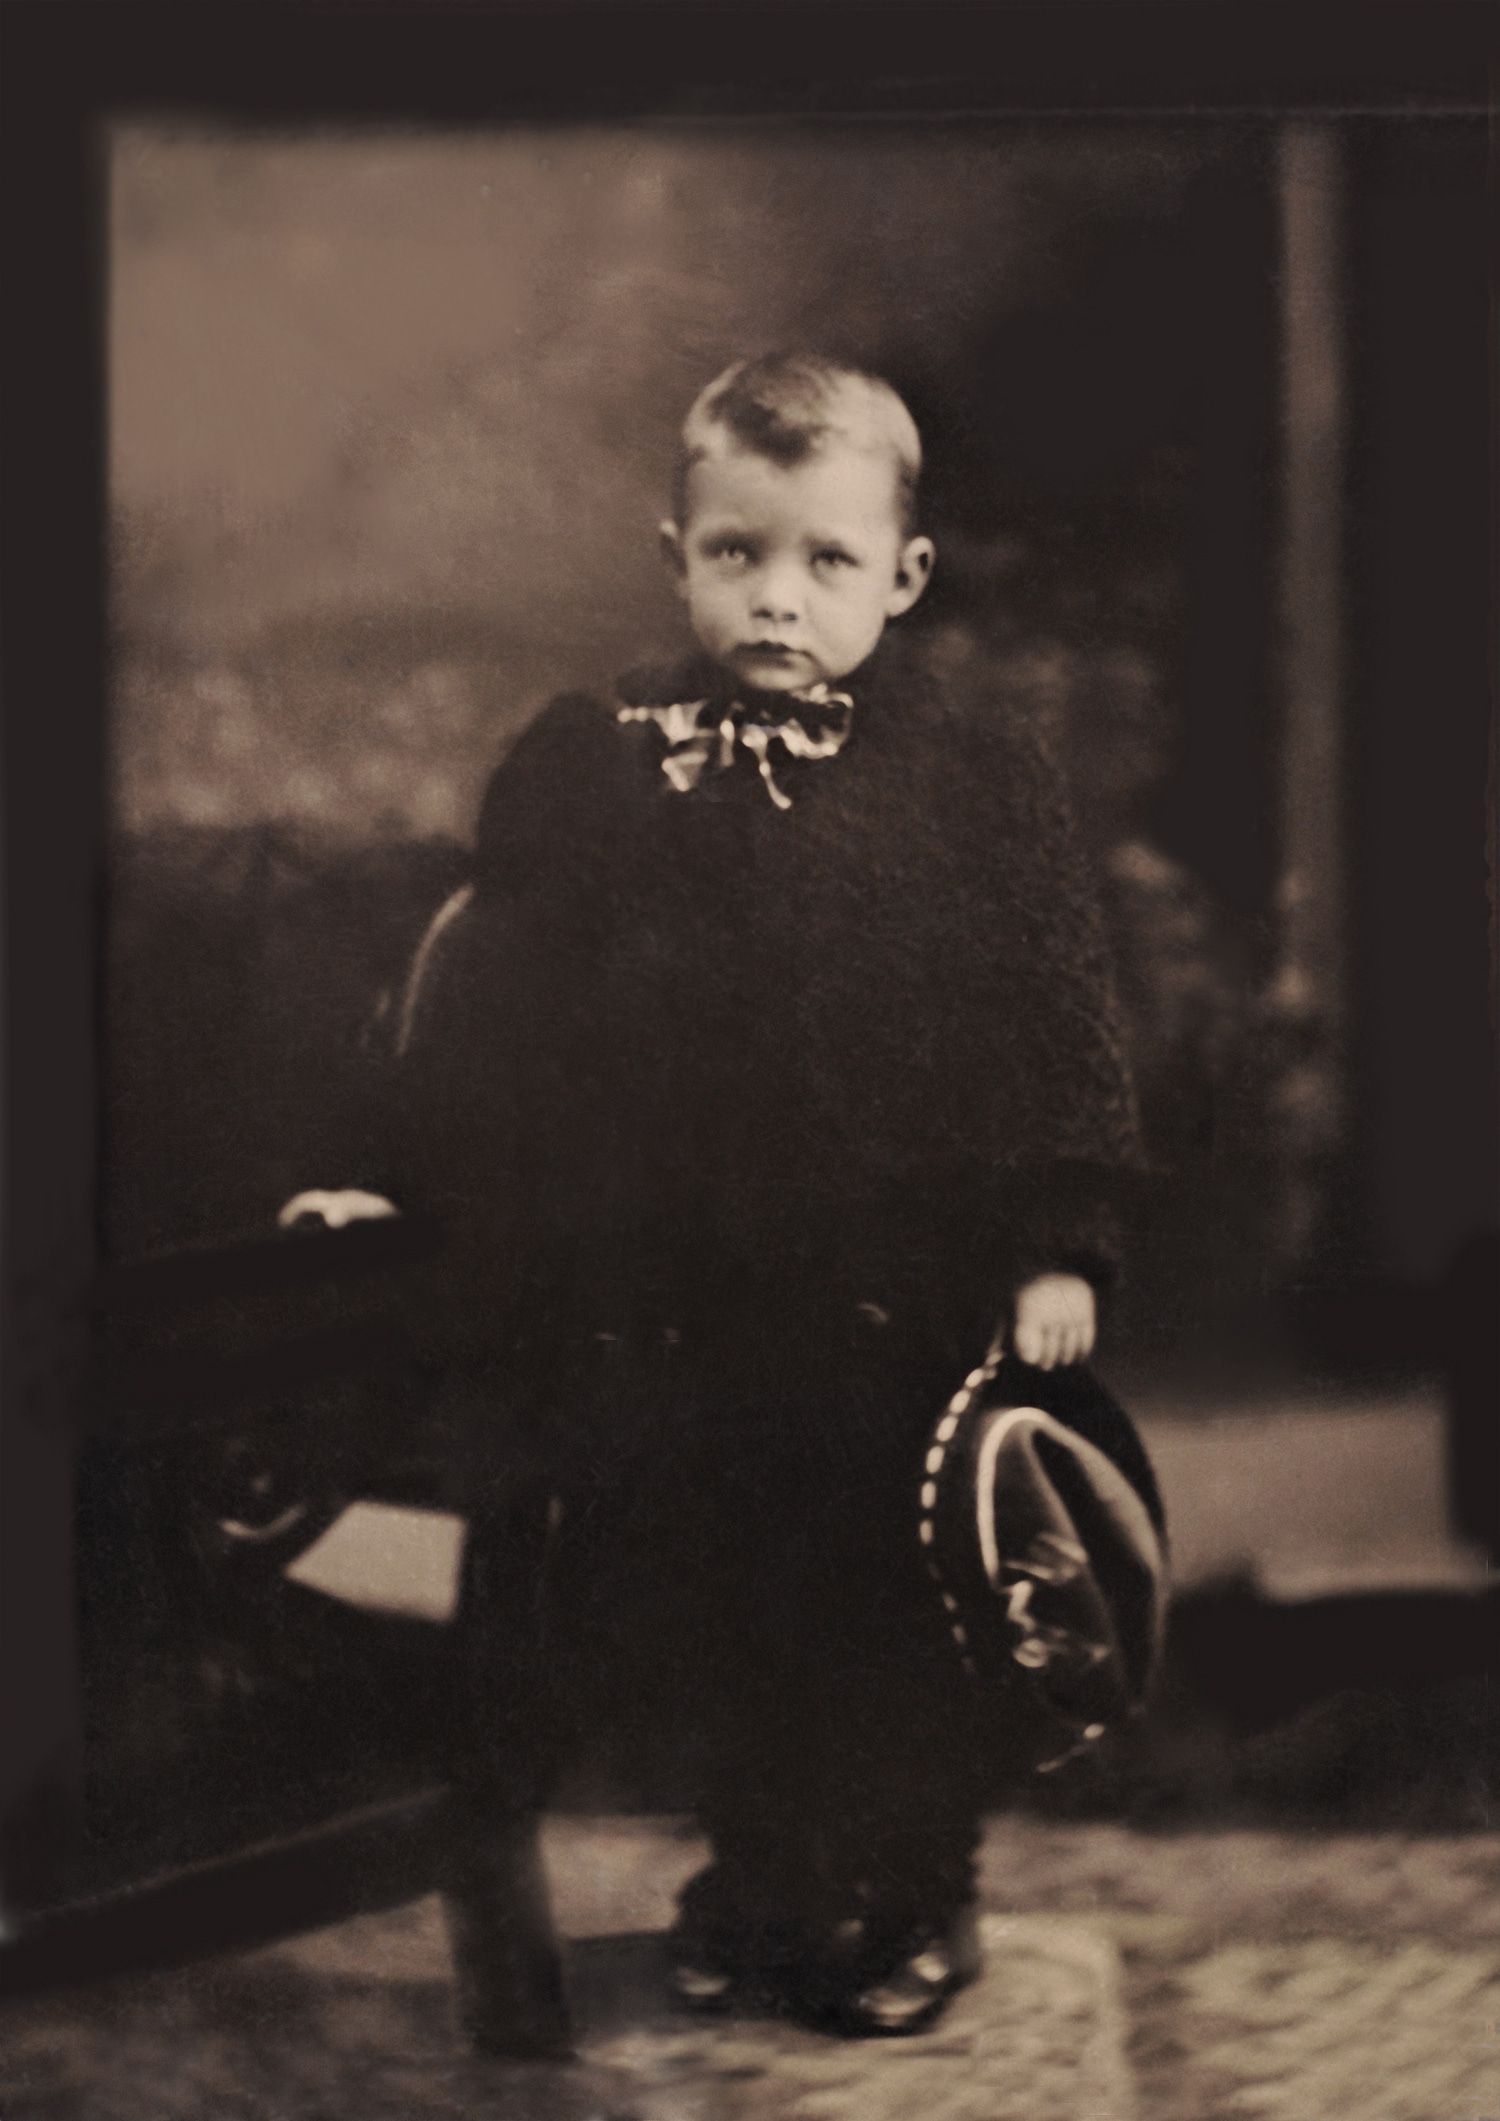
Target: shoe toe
x: 906, y: 2000
x: 699, y: 1987
x: 914, y: 1990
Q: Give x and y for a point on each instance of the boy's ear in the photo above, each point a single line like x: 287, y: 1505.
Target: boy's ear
x: 669, y: 537
x: 913, y: 572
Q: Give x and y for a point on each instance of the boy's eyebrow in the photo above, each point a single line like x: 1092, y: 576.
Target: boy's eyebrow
x: 731, y: 526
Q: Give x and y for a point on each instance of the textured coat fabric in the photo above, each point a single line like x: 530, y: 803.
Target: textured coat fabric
x: 688, y: 1043
x: 745, y: 1121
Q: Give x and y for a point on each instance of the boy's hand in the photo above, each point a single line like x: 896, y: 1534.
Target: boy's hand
x: 1056, y: 1321
x: 334, y: 1210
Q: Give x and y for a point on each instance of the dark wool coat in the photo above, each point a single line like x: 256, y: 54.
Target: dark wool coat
x: 686, y: 1044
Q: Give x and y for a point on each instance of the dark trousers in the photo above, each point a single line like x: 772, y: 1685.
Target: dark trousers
x: 721, y: 1542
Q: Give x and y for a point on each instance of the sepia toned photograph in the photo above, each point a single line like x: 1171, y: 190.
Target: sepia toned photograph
x: 767, y: 1371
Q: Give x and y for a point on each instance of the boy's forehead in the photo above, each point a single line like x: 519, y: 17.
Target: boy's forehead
x: 837, y: 478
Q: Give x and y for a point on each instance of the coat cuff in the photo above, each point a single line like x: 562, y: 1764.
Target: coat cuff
x: 1068, y: 1225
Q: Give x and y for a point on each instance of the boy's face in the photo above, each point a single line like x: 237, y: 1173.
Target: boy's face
x: 790, y: 573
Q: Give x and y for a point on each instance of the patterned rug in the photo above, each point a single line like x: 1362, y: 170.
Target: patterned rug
x: 1211, y: 1977
x: 362, y: 2029
x: 1314, y: 2028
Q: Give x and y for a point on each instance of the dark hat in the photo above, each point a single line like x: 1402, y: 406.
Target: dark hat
x: 1042, y: 1533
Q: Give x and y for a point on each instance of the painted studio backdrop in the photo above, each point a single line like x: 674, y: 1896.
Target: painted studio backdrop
x: 391, y: 420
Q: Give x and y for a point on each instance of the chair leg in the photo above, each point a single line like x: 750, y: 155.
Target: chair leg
x: 507, y: 1963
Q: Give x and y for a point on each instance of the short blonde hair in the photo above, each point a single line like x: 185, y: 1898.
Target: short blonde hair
x: 784, y: 406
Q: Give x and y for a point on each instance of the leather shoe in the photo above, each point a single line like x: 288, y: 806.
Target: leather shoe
x: 709, y: 1960
x: 888, y: 1986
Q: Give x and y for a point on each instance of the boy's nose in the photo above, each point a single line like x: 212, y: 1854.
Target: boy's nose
x: 775, y: 597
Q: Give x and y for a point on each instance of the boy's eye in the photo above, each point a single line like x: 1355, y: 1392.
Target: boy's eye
x: 830, y: 558
x: 736, y: 551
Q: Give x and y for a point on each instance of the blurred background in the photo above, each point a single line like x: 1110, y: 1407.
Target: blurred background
x: 391, y: 420
x: 391, y: 415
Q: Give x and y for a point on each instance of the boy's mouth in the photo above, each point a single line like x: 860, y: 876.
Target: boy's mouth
x: 770, y: 651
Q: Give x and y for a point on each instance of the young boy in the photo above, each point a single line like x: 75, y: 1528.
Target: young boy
x: 769, y: 1065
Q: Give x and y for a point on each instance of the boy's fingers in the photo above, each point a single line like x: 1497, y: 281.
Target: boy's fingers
x: 1055, y: 1325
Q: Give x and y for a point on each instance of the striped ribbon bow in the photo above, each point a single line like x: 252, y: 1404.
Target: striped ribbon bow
x: 701, y: 737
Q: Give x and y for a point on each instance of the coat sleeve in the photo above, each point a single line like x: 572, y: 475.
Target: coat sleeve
x: 544, y: 840
x: 1074, y: 1145
x: 549, y: 813
x: 416, y: 1047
